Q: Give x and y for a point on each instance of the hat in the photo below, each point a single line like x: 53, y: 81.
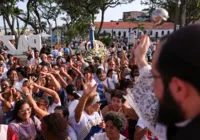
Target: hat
x: 71, y: 90
x: 126, y: 71
x: 89, y: 59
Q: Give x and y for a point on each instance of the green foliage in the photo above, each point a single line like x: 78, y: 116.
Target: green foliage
x: 107, y: 41
x: 79, y: 28
x: 192, y: 8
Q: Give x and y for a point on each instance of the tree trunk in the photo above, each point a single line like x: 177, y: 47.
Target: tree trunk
x: 18, y: 31
x: 55, y: 23
x: 183, y: 13
x: 92, y: 18
x: 12, y: 27
x: 38, y: 18
x: 33, y: 25
x: 177, y: 12
x: 4, y: 24
x: 102, y: 20
x: 28, y: 17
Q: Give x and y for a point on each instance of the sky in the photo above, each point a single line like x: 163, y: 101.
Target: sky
x: 110, y: 14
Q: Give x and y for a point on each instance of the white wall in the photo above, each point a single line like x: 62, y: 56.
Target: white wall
x: 154, y: 31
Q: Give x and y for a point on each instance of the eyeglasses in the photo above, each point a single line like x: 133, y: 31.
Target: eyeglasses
x: 23, y: 111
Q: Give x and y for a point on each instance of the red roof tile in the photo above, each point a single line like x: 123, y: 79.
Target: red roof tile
x: 125, y: 25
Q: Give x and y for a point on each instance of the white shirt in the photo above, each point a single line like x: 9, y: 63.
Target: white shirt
x: 53, y: 106
x: 85, y: 124
x: 54, y: 53
x: 108, y: 82
x: 18, y: 86
x: 71, y: 133
x: 103, y: 136
x: 141, y: 124
x: 71, y: 107
x: 3, y: 132
x: 22, y: 81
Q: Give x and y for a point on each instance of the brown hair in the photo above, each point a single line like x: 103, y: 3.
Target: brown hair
x: 56, y: 125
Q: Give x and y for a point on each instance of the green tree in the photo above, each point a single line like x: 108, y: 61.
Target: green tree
x: 79, y: 9
x: 105, y: 4
x: 10, y: 12
x: 188, y: 11
x: 79, y: 28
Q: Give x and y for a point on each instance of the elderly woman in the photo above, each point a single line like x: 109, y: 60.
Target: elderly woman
x: 87, y: 120
x: 115, y: 123
x: 24, y: 124
x: 117, y: 105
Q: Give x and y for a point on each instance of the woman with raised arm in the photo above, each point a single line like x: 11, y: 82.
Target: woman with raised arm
x: 87, y: 120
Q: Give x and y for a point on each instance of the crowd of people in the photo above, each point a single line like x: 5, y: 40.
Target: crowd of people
x: 60, y: 95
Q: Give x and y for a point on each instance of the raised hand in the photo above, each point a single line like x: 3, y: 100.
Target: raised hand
x: 140, y: 50
x: 45, y: 74
x: 26, y: 90
x: 88, y: 89
x: 62, y: 70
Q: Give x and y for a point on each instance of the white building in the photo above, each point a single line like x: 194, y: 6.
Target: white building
x: 27, y: 31
x: 123, y: 29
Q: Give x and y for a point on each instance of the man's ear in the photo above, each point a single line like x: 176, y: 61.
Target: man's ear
x: 178, y: 89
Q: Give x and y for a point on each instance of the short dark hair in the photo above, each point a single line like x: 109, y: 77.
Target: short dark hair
x: 9, y: 72
x: 99, y: 71
x: 64, y: 110
x: 119, y: 94
x: 21, y: 71
x: 125, y: 83
x: 45, y: 100
x: 88, y: 69
x: 117, y: 119
x: 36, y: 51
x: 179, y: 56
x: 110, y: 70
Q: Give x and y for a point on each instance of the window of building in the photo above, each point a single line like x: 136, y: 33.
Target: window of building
x: 114, y: 33
x: 151, y: 33
x: 119, y: 33
x: 156, y: 35
x: 124, y: 34
x: 163, y: 33
x: 168, y: 32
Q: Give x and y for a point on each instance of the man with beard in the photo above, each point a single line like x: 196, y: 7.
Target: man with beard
x: 176, y: 83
